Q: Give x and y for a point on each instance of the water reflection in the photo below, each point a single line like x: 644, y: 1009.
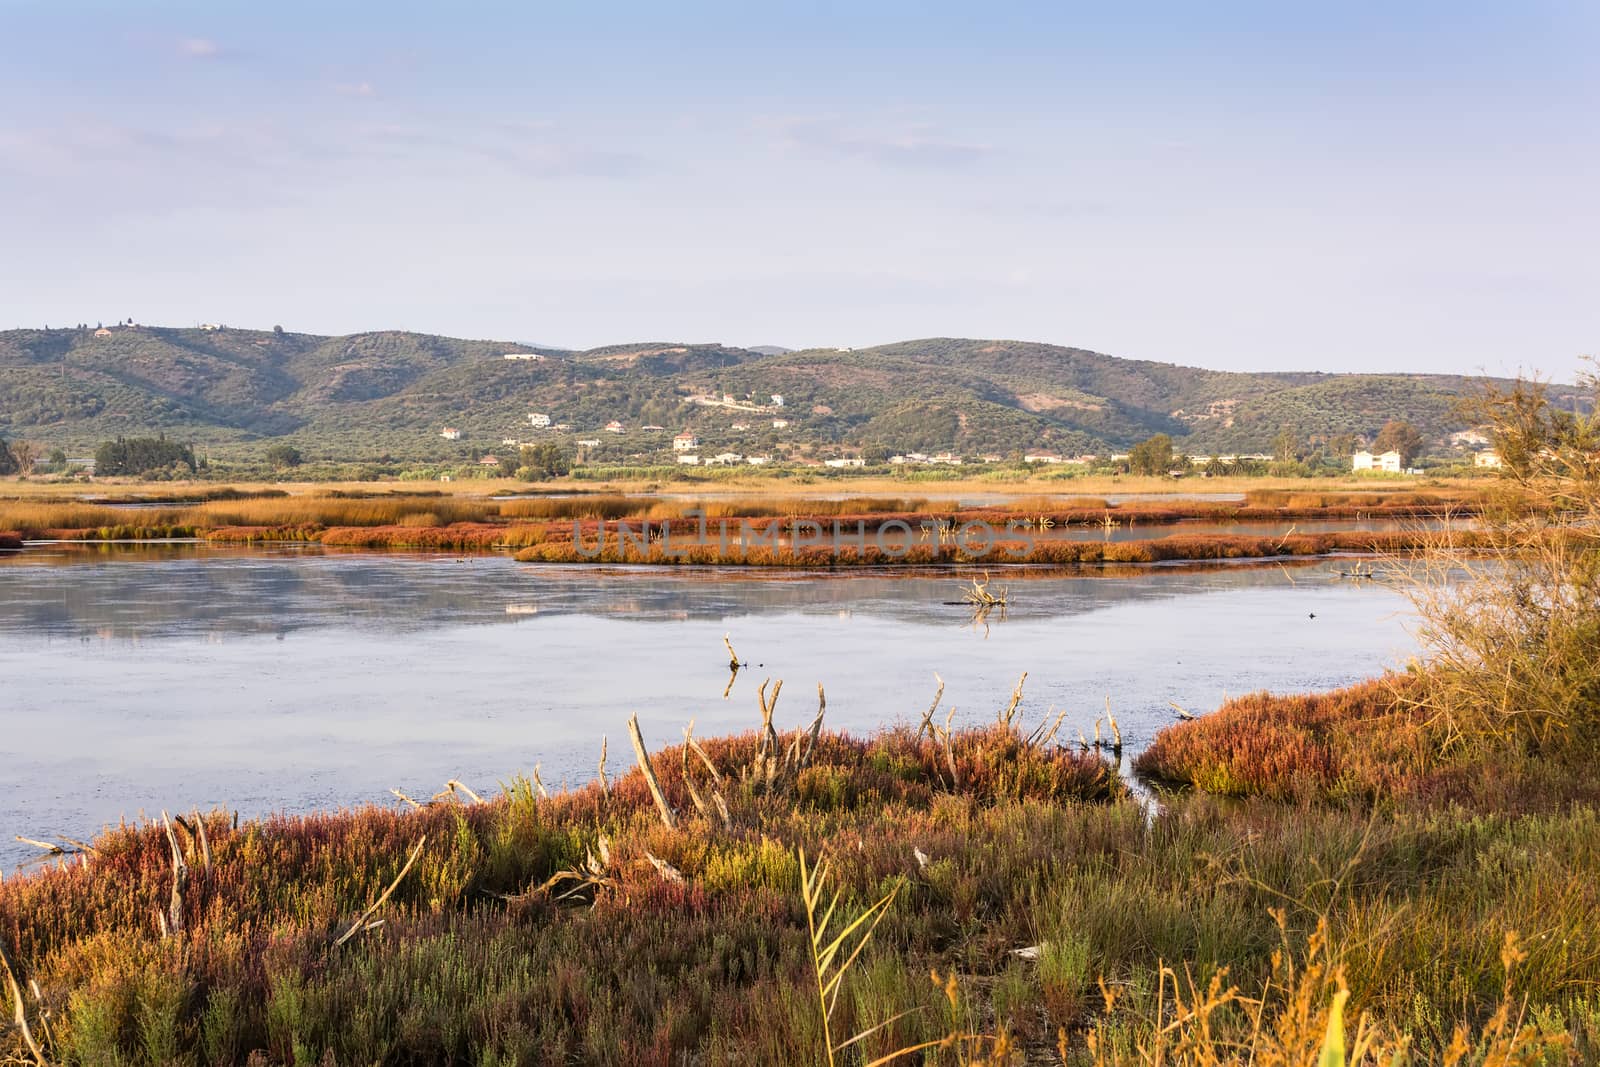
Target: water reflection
x: 293, y: 679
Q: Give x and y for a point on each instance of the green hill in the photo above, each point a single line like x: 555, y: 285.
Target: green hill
x: 390, y: 393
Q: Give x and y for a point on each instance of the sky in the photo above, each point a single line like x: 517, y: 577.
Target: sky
x: 1351, y: 186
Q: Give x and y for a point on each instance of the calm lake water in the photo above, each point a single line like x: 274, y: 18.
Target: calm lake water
x: 136, y: 679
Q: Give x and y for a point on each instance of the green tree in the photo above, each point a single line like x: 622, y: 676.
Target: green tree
x: 283, y: 455
x: 1399, y: 436
x: 1151, y: 456
x: 548, y: 460
x: 142, y: 455
x: 1285, y: 447
x: 26, y: 456
x: 8, y: 462
x: 874, y: 454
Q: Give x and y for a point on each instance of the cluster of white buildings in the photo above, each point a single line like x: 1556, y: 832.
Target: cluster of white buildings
x: 722, y: 459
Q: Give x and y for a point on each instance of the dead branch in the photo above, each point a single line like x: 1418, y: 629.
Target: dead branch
x: 538, y: 783
x: 1040, y: 736
x: 1010, y: 710
x: 667, y: 815
x: 688, y: 779
x: 733, y: 657
x: 405, y: 798
x: 453, y: 785
x: 667, y: 870
x: 19, y: 1013
x: 180, y: 877
x: 816, y: 729
x: 205, y: 842
x: 927, y: 716
x: 605, y: 787
x: 361, y: 924
x: 769, y: 736
x: 705, y: 759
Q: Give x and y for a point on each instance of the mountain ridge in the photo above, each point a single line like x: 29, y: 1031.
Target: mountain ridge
x: 393, y: 391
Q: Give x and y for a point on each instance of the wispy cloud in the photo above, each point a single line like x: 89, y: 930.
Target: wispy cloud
x: 522, y: 145
x: 917, y: 146
x: 199, y: 48
x: 355, y: 89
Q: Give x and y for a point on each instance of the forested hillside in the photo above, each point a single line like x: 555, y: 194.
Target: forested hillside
x: 391, y: 393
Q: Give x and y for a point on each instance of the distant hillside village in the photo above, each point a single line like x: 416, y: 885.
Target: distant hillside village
x: 399, y: 404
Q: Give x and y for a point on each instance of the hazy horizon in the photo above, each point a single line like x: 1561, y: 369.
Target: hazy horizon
x: 1239, y: 187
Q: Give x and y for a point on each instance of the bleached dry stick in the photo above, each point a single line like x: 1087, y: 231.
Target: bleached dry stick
x: 180, y: 877
x: 19, y: 1014
x: 688, y: 779
x: 361, y: 923
x: 927, y: 716
x: 453, y: 785
x: 667, y: 815
x: 1010, y: 711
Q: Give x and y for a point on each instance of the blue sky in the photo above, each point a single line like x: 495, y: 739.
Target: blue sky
x: 1350, y: 186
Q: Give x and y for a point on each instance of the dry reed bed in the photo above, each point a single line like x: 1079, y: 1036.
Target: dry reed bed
x: 688, y: 943
x: 232, y: 509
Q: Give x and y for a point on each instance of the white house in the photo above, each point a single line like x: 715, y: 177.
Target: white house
x: 529, y: 357
x: 689, y: 460
x: 739, y: 427
x: 613, y: 426
x: 725, y: 459
x: 777, y: 400
x: 780, y: 424
x: 685, y: 441
x: 1040, y: 457
x: 1366, y: 461
x: 758, y: 461
x: 846, y: 462
x: 450, y: 433
x: 1488, y: 458
x: 589, y: 442
x: 539, y: 420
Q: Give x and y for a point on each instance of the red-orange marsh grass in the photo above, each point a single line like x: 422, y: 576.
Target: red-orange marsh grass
x: 1364, y: 740
x: 260, y: 923
x: 560, y: 548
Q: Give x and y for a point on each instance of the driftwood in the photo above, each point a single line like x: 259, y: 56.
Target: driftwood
x: 19, y: 1011
x: 180, y: 878
x: 1009, y: 712
x: 667, y: 815
x: 927, y: 717
x: 605, y: 787
x: 68, y: 846
x: 1040, y: 736
x: 667, y: 871
x: 361, y: 924
x: 769, y: 736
